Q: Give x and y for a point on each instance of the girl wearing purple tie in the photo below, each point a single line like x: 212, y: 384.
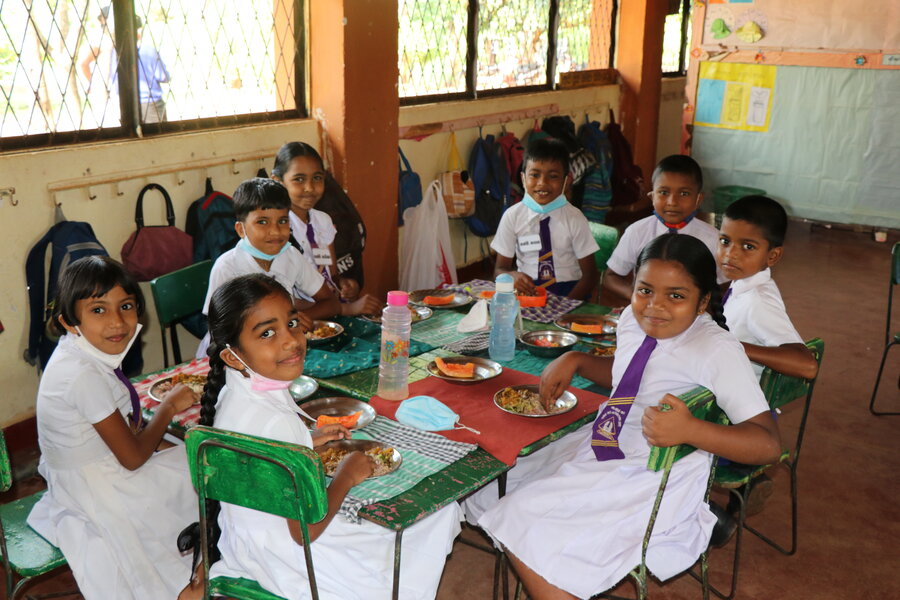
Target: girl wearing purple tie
x: 574, y: 524
x: 549, y: 238
x: 300, y: 169
x: 114, y: 505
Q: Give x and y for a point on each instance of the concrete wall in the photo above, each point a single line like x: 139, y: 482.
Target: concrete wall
x: 671, y: 105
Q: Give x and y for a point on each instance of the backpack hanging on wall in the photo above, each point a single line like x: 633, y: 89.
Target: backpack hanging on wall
x: 410, y: 189
x: 487, y: 169
x: 513, y: 156
x: 594, y: 192
x: 210, y: 222
x: 627, y: 178
x: 563, y: 129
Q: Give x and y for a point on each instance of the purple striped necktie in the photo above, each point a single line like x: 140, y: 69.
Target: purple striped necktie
x: 546, y: 272
x: 136, y: 418
x: 608, y: 425
x: 323, y: 269
x: 726, y: 296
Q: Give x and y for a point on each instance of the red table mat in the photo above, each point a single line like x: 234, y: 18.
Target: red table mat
x: 187, y: 418
x: 503, y: 435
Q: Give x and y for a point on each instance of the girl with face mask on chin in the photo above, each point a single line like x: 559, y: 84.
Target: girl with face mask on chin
x: 114, y: 505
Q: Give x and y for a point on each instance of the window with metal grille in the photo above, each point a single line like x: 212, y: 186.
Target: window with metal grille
x: 676, y: 35
x: 82, y: 70
x: 469, y: 48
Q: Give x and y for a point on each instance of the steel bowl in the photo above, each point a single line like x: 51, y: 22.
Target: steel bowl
x: 564, y: 339
x: 484, y: 369
x: 340, y: 406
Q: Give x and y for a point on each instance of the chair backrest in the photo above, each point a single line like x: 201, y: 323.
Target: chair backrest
x: 702, y: 404
x: 6, y: 480
x: 180, y: 293
x: 266, y: 475
x: 781, y: 389
x: 606, y: 237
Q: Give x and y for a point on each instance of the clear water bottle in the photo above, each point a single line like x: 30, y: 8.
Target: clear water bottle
x: 504, y: 310
x: 393, y: 369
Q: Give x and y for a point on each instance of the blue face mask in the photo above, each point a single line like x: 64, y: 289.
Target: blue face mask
x: 544, y: 208
x: 429, y: 414
x: 247, y: 247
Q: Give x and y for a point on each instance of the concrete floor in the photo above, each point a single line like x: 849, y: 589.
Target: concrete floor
x: 834, y: 283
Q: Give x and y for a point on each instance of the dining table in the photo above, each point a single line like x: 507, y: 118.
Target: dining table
x: 429, y: 337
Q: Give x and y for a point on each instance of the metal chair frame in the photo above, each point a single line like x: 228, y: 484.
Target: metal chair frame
x: 888, y: 342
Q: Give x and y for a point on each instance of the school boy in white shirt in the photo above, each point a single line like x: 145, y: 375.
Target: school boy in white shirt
x: 677, y: 194
x: 549, y: 238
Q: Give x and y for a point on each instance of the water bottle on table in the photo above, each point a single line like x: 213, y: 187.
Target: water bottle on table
x: 504, y: 310
x: 393, y: 369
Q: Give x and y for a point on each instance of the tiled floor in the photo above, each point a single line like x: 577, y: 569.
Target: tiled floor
x: 835, y: 286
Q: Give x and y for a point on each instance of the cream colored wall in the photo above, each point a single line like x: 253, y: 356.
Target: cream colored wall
x: 112, y: 217
x: 429, y: 156
x: 671, y: 106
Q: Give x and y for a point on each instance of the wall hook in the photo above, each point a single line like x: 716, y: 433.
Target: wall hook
x: 91, y: 194
x: 234, y: 169
x: 10, y: 194
x: 179, y: 180
x: 119, y: 191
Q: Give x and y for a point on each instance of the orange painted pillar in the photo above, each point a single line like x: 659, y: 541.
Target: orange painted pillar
x: 353, y: 95
x: 639, y: 61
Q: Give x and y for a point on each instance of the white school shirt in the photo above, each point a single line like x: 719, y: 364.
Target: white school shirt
x: 590, y: 541
x: 323, y: 228
x: 117, y: 528
x: 352, y: 561
x: 570, y: 236
x: 755, y: 314
x: 640, y: 233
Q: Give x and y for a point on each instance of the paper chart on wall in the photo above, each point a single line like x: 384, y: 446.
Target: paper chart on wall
x: 735, y: 96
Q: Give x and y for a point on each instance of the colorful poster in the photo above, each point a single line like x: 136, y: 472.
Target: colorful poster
x: 735, y: 96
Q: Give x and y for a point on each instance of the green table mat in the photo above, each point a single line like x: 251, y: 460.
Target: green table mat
x: 527, y: 362
x: 364, y: 384
x: 357, y: 349
x: 440, y: 329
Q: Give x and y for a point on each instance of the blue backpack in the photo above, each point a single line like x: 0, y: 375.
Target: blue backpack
x: 210, y: 221
x: 410, y: 189
x: 69, y: 241
x: 487, y: 168
x: 594, y: 192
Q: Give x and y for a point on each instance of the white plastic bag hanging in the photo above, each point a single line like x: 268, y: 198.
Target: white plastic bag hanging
x: 426, y: 258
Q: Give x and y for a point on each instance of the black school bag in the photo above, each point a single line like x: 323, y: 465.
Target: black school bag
x: 627, y: 178
x: 69, y: 241
x: 487, y: 168
x: 210, y: 222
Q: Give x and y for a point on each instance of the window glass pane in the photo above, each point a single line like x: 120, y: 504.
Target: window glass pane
x: 432, y: 46
x: 512, y: 43
x: 583, y: 37
x: 216, y: 58
x: 49, y: 79
x: 673, y: 43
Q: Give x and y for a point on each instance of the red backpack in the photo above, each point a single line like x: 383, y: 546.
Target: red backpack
x: 513, y: 154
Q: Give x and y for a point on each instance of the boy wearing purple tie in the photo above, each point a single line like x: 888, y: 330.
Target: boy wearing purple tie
x: 549, y: 238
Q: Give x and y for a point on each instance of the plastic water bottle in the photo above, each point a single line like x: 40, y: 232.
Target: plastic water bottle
x: 504, y: 309
x: 393, y: 369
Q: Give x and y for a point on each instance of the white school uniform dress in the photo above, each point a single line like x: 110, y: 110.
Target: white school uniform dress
x: 580, y: 522
x: 352, y: 561
x: 323, y: 227
x: 640, y: 233
x: 289, y: 269
x: 755, y: 314
x: 117, y: 528
x: 570, y: 237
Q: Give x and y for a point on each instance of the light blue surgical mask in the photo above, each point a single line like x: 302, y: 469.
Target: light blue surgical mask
x: 429, y: 414
x: 249, y: 248
x: 544, y: 208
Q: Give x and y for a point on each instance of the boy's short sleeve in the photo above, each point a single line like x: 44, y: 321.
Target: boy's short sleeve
x: 729, y: 375
x: 623, y: 258
x: 306, y: 279
x: 217, y: 277
x: 583, y: 242
x: 504, y: 242
x: 769, y: 323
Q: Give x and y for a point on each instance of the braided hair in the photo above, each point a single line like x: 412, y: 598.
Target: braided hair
x: 228, y: 310
x: 697, y: 260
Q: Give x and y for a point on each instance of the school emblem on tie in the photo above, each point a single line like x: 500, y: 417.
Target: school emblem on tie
x: 608, y: 424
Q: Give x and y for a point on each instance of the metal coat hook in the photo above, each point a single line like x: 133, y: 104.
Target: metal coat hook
x: 234, y: 169
x: 10, y: 194
x: 91, y: 194
x: 56, y: 202
x: 179, y: 180
x: 119, y: 191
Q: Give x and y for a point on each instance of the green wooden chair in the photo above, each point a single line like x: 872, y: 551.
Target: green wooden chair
x: 274, y: 477
x: 606, y: 237
x: 779, y: 390
x: 889, y: 341
x: 177, y: 295
x: 702, y: 405
x: 25, y: 553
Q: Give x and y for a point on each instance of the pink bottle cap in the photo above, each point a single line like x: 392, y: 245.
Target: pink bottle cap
x: 397, y: 298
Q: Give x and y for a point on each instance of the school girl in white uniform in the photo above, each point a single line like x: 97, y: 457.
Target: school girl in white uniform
x: 257, y: 350
x: 113, y: 505
x: 576, y: 524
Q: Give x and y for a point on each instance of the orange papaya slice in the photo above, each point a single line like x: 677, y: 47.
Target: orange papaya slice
x: 438, y: 300
x: 347, y: 421
x: 585, y: 328
x: 463, y: 371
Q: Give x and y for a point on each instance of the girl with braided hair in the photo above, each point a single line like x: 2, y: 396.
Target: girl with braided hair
x: 257, y: 348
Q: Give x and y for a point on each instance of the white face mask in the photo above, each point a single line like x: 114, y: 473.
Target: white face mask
x: 113, y: 361
x: 260, y: 383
